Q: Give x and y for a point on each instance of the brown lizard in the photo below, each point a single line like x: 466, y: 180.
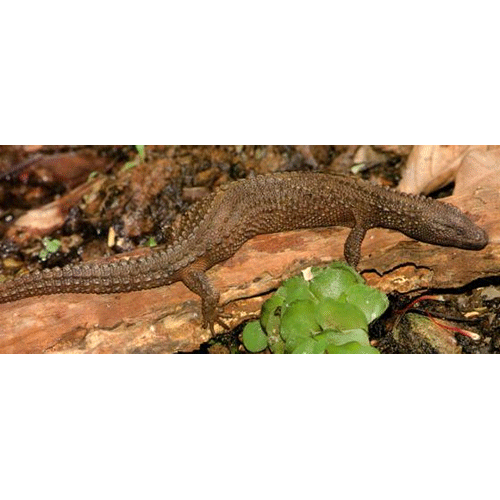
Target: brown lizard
x: 213, y: 229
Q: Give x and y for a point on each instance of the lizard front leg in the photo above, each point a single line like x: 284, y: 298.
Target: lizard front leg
x: 352, y: 246
x: 198, y: 282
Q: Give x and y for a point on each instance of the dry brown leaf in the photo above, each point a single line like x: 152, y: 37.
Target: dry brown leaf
x: 432, y: 167
x: 475, y: 169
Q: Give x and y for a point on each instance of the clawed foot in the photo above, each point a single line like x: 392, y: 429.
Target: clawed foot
x: 197, y: 281
x: 212, y: 315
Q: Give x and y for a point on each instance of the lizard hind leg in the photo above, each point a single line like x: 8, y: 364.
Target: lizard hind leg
x: 198, y: 282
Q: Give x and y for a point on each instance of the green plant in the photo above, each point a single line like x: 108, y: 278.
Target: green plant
x: 328, y: 313
x: 131, y: 164
x: 151, y: 242
x: 49, y: 246
x: 142, y: 153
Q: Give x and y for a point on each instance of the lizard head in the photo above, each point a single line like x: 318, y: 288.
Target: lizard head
x: 440, y: 223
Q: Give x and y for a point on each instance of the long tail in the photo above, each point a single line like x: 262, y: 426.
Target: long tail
x: 125, y: 275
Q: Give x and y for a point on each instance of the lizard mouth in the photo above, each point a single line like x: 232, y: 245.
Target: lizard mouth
x: 477, y: 241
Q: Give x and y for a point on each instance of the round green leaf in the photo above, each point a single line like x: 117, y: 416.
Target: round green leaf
x: 296, y: 288
x: 305, y: 347
x: 331, y: 313
x: 332, y: 281
x: 254, y: 338
x: 298, y: 323
x: 299, y: 317
x: 339, y: 264
x: 370, y: 301
x: 277, y: 347
x: 270, y: 317
x: 352, y: 348
x: 319, y: 345
x: 337, y: 337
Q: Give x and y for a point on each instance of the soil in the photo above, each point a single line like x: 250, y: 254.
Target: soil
x: 130, y: 201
